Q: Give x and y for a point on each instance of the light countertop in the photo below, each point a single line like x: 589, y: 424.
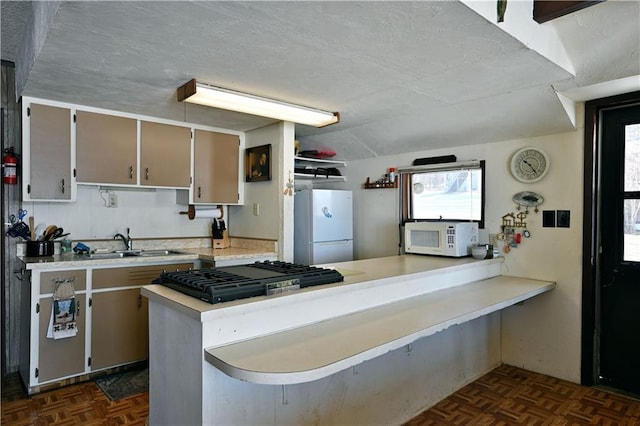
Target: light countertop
x: 71, y: 260
x: 357, y: 274
x: 382, y: 304
x: 229, y: 253
x: 302, y: 354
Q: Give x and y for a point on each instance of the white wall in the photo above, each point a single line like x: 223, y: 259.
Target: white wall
x: 547, y: 338
x: 274, y: 220
x: 149, y: 213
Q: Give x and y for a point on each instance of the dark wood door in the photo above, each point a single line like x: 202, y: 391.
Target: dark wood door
x: 619, y: 351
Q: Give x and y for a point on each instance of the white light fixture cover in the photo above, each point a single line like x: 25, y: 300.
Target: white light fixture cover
x: 204, y: 94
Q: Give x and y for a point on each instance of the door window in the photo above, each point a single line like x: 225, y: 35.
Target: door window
x: 631, y: 205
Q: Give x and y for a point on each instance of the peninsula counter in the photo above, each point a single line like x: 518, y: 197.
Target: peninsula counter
x: 328, y: 354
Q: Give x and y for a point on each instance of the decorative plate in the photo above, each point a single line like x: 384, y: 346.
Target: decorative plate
x: 528, y: 199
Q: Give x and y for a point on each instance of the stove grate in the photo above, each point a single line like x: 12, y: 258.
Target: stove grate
x: 217, y: 285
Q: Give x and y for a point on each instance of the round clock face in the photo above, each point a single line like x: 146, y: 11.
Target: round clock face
x: 529, y: 165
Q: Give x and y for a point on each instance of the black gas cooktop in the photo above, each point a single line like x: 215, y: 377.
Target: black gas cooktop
x: 216, y: 285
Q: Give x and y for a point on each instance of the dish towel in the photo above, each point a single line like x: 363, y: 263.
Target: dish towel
x: 62, y: 323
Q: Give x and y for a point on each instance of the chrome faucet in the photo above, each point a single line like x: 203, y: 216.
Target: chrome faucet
x: 127, y: 241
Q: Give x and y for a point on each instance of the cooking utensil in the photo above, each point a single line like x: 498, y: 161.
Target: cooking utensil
x: 19, y: 229
x: 49, y: 232
x: 32, y: 227
x: 56, y: 234
x: 39, y: 232
x: 62, y: 236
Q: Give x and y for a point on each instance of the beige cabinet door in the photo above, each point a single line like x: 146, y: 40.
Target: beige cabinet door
x: 216, y: 167
x: 49, y: 153
x: 62, y: 357
x: 119, y: 328
x: 165, y: 155
x: 106, y: 148
x: 119, y: 321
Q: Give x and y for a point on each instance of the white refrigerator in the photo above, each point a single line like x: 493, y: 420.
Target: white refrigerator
x: 323, y: 226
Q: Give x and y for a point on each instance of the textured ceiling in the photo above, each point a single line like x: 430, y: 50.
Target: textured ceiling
x: 405, y: 76
x: 13, y: 16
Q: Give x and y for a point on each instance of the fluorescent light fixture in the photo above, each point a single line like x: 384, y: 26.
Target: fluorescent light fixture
x: 217, y: 97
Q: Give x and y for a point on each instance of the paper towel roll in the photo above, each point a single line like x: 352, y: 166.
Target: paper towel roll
x: 208, y: 213
x: 204, y: 213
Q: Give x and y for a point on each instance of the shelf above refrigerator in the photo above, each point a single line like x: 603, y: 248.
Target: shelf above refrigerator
x: 318, y: 170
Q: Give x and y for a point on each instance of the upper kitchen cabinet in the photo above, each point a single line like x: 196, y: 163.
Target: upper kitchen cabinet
x: 106, y: 149
x: 47, y: 147
x: 165, y: 155
x: 216, y: 168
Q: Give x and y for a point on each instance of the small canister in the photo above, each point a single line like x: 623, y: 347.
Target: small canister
x: 66, y: 246
x: 392, y: 174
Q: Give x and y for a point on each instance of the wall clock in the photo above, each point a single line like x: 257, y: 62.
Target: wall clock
x: 529, y: 165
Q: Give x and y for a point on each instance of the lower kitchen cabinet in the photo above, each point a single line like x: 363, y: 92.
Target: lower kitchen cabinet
x: 62, y: 357
x: 119, y: 328
x: 119, y: 314
x: 111, y: 322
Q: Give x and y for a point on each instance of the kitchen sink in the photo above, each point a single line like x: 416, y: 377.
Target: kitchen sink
x: 131, y: 253
x: 149, y: 253
x: 109, y: 255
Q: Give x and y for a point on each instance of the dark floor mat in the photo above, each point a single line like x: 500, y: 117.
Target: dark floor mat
x: 121, y: 385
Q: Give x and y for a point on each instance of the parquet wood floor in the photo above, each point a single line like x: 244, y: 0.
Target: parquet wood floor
x: 505, y: 396
x: 78, y: 404
x: 512, y: 396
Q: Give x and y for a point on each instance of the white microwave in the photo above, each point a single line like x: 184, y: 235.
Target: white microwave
x: 453, y: 239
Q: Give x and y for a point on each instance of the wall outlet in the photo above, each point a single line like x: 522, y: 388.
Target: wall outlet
x: 112, y: 199
x: 256, y: 209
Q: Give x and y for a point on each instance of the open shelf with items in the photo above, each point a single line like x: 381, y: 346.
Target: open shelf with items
x: 374, y: 185
x: 317, y: 169
x: 386, y: 184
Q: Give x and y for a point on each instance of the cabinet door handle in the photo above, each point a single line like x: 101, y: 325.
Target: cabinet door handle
x: 199, y: 192
x: 130, y: 172
x: 146, y: 173
x: 62, y: 186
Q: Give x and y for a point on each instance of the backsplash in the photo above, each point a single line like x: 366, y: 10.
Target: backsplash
x: 169, y: 244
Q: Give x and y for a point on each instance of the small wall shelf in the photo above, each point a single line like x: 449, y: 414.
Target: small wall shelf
x: 378, y: 185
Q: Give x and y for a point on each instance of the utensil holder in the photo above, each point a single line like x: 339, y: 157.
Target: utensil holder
x: 39, y: 248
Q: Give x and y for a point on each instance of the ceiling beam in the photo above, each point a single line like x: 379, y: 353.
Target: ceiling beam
x: 546, y: 10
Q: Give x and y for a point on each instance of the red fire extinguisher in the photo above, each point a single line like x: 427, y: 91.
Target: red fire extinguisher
x: 10, y: 167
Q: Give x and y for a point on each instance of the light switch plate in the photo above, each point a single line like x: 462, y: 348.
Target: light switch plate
x: 563, y: 218
x: 548, y: 218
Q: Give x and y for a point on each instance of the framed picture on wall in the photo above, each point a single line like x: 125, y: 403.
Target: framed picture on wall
x: 258, y: 163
